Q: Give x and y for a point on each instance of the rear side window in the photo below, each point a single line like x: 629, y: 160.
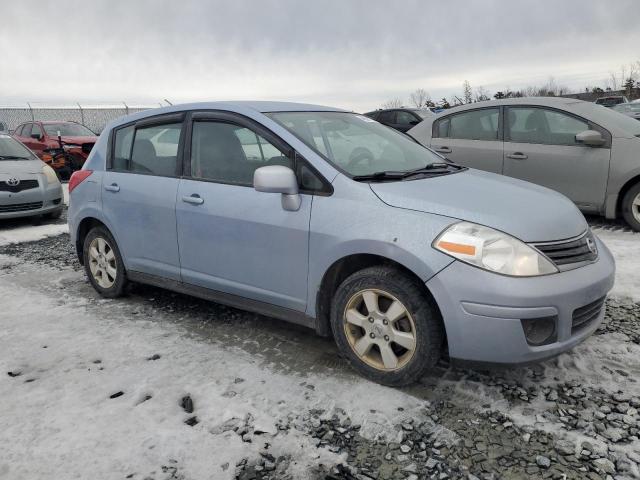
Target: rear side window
x: 475, y: 125
x: 155, y: 149
x: 543, y: 126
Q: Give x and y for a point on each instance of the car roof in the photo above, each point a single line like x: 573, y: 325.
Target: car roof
x: 542, y: 101
x: 249, y: 108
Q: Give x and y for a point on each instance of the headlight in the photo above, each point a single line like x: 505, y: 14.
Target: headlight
x: 492, y: 250
x: 50, y: 173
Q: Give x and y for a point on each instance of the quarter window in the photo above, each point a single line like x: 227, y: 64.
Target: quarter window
x: 229, y: 153
x: 543, y: 126
x: 441, y: 128
x: 475, y: 125
x: 122, y: 148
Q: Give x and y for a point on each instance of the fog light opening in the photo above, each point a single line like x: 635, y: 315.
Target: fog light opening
x: 540, y: 331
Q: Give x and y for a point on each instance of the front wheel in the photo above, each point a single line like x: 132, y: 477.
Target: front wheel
x: 386, y: 326
x: 103, y: 263
x: 631, y: 207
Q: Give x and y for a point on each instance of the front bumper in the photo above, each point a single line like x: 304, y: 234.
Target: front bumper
x: 482, y: 311
x: 44, y: 199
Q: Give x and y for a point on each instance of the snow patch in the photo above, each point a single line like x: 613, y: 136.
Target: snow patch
x: 625, y: 247
x: 31, y: 233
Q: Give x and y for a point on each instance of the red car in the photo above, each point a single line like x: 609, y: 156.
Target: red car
x: 42, y: 139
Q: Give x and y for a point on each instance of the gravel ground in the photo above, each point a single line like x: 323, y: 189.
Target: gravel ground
x: 574, y: 417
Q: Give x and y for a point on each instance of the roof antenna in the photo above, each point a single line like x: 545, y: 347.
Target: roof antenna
x: 168, y: 101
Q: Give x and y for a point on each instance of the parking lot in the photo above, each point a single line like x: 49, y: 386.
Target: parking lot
x: 164, y: 386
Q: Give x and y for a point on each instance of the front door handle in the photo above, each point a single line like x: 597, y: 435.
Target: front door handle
x: 193, y: 199
x: 443, y: 149
x: 112, y: 188
x: 517, y: 156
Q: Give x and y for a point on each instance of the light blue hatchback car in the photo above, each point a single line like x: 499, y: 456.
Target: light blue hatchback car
x: 328, y: 219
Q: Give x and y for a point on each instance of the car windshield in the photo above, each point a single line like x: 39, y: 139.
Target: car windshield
x: 611, y: 117
x: 627, y: 107
x: 423, y: 112
x: 11, y: 149
x: 67, y: 130
x: 356, y: 144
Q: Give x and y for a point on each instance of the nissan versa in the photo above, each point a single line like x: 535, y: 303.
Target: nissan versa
x: 329, y: 219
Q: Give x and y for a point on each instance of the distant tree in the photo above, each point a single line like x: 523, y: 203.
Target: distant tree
x: 499, y: 95
x: 420, y: 98
x: 597, y: 90
x: 444, y: 103
x: 393, y: 103
x: 481, y: 95
x: 628, y: 85
x: 467, y: 92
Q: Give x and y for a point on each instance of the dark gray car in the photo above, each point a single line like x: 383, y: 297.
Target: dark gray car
x: 589, y: 153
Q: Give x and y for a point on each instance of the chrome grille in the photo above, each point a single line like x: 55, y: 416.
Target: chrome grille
x: 582, y: 249
x: 583, y: 316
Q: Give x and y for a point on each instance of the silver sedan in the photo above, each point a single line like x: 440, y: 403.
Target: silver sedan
x: 28, y: 186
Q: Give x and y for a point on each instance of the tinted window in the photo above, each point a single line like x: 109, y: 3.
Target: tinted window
x: 122, y: 148
x: 404, y: 118
x: 475, y: 125
x: 441, y: 128
x: 542, y: 126
x: 155, y: 149
x: 387, y: 117
x: 229, y: 153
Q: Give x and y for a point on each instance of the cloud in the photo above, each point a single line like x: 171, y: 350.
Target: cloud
x: 350, y: 53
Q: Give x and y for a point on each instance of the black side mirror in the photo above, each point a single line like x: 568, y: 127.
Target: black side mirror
x: 37, y: 136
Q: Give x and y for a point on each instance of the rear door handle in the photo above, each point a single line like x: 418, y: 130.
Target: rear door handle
x: 518, y: 156
x: 193, y: 199
x: 443, y: 149
x: 112, y: 188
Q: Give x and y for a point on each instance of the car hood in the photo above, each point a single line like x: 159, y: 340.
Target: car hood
x: 14, y: 167
x: 79, y: 140
x: 527, y: 211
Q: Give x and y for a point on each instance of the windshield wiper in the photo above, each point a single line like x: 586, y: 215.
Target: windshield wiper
x: 384, y: 175
x: 12, y: 157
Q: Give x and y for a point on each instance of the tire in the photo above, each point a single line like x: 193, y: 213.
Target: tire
x: 107, y: 259
x: 384, y: 286
x: 631, y: 207
x: 53, y: 215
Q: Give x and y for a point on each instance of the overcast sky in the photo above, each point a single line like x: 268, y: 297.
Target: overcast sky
x: 348, y: 53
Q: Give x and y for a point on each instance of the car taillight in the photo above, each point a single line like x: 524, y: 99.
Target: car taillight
x: 77, y: 178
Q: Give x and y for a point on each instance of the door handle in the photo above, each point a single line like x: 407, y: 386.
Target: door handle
x: 443, y: 149
x: 193, y: 199
x: 112, y: 188
x: 517, y: 156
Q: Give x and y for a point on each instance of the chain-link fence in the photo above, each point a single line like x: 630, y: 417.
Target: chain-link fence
x: 95, y: 117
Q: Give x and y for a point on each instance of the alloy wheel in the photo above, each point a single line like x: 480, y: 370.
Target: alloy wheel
x: 102, y: 262
x: 635, y: 208
x: 379, y: 329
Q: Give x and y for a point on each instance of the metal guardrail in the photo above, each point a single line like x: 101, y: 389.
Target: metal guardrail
x: 95, y: 117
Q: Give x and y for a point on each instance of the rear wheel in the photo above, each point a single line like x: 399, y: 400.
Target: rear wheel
x: 386, y: 326
x: 103, y: 263
x: 631, y: 207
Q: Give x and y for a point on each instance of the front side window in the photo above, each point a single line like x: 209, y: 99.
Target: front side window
x: 354, y: 143
x: 26, y: 130
x: 543, y: 126
x: 405, y: 118
x: 229, y: 153
x: 475, y: 125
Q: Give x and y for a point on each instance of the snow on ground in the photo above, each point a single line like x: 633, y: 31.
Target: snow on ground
x: 625, y: 247
x: 30, y: 233
x: 58, y: 421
